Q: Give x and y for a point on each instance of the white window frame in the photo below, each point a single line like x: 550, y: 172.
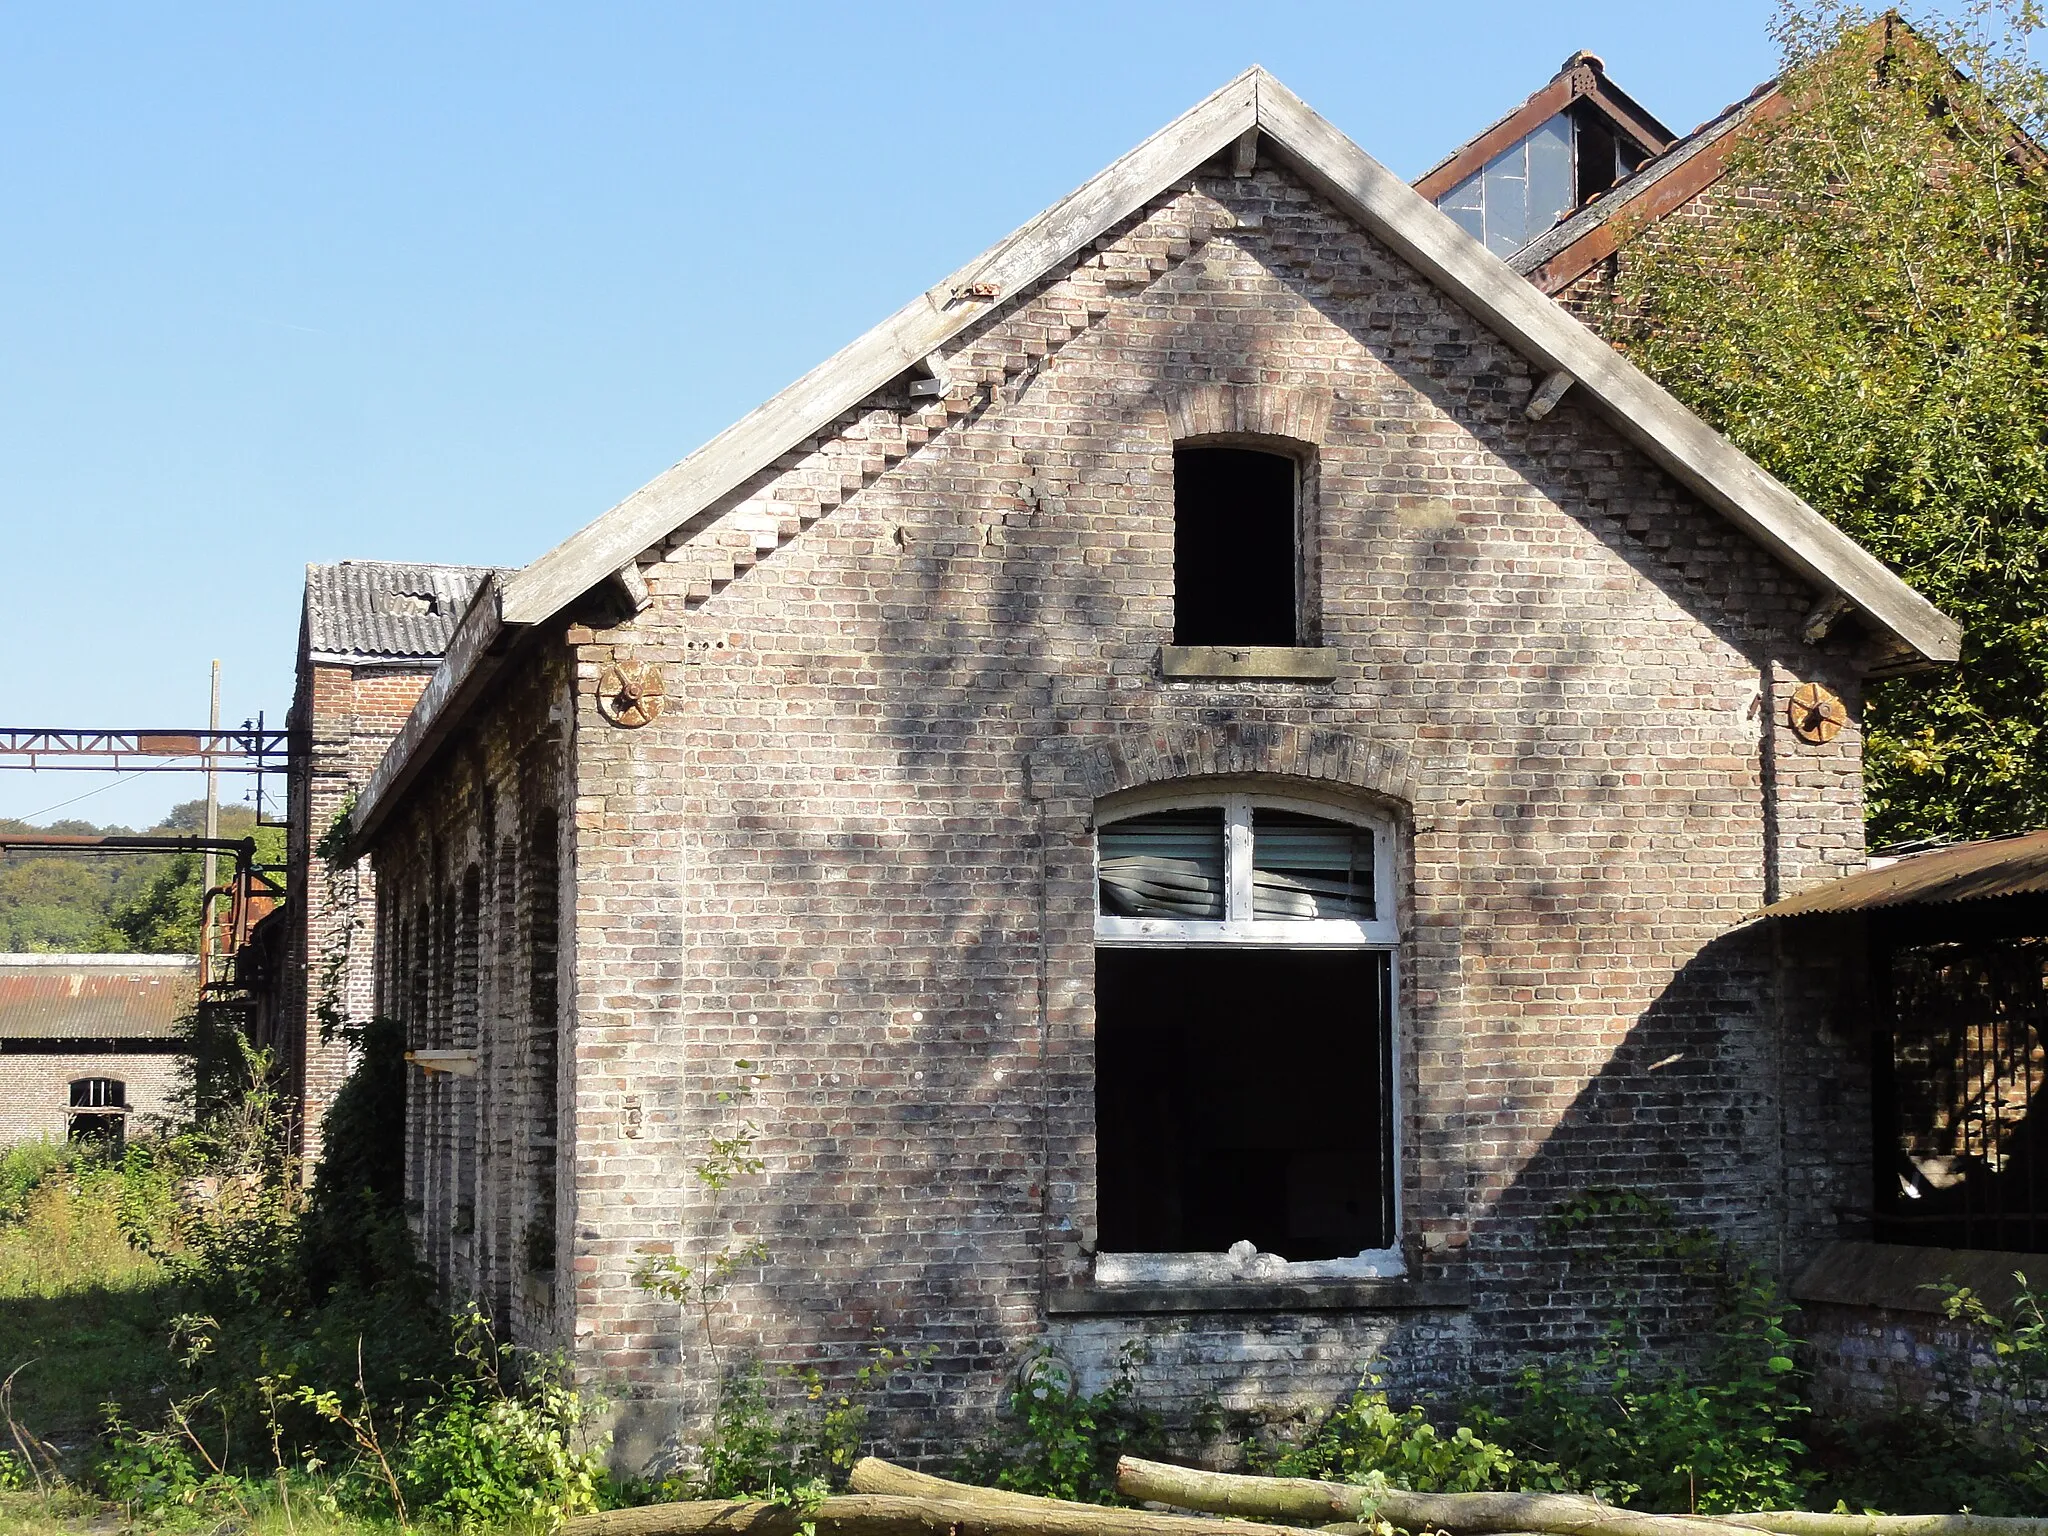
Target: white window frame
x: 1239, y: 928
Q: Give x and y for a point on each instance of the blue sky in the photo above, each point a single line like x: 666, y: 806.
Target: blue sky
x: 303, y: 283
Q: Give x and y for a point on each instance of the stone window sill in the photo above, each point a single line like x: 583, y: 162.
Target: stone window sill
x: 1268, y: 663
x: 1899, y: 1277
x: 1259, y: 1296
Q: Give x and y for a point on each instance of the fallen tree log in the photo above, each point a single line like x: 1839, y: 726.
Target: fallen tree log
x: 1496, y: 1514
x: 1468, y: 1514
x: 871, y: 1474
x: 863, y: 1514
x: 1800, y: 1522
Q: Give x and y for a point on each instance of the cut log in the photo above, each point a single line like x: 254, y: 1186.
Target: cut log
x: 1799, y: 1522
x: 1498, y: 1514
x: 863, y: 1514
x: 1469, y: 1514
x: 871, y: 1474
x: 726, y: 1517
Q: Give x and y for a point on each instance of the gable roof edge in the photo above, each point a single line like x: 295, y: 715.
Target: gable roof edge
x: 1642, y: 410
x: 1675, y: 438
x: 879, y: 355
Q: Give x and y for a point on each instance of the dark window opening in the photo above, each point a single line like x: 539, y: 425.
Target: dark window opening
x: 1235, y: 563
x: 99, y: 1110
x: 1959, y: 1073
x: 1244, y: 1094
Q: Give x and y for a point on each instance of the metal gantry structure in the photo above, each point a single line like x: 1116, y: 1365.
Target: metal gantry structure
x: 254, y: 748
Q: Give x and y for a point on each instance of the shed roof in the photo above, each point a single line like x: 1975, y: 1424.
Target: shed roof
x: 1252, y: 112
x: 379, y: 610
x: 95, y: 997
x: 1999, y: 866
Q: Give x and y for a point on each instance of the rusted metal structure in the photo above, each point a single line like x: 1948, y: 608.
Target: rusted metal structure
x: 251, y: 749
x: 1957, y: 941
x: 230, y: 910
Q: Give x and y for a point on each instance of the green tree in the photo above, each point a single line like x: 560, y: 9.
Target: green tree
x: 163, y: 918
x: 145, y: 902
x: 1871, y: 332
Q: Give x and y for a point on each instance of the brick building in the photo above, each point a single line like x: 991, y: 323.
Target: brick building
x: 1214, y: 765
x: 370, y: 635
x: 90, y: 1045
x: 1954, y: 1068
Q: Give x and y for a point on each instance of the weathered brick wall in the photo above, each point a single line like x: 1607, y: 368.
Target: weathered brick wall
x: 342, y: 720
x: 466, y: 882
x: 35, y: 1089
x: 857, y: 848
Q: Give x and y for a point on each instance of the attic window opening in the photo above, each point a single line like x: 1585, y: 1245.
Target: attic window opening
x: 1236, y: 547
x: 1541, y: 178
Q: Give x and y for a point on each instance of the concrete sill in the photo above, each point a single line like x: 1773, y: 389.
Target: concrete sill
x: 1259, y: 1296
x: 1899, y: 1277
x: 1269, y: 663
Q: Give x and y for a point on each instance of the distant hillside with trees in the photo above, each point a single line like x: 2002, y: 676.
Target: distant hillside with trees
x: 143, y: 903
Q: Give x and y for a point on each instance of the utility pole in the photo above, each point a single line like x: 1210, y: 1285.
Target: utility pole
x: 212, y: 827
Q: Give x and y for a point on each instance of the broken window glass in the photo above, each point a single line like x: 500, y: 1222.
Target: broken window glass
x: 98, y: 1110
x: 1520, y: 193
x: 1165, y: 865
x: 1307, y: 867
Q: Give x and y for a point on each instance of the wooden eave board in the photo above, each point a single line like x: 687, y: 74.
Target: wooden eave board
x: 868, y: 364
x: 1357, y: 185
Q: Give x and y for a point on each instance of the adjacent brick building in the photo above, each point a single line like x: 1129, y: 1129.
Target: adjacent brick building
x: 370, y: 635
x: 1212, y: 768
x: 91, y: 1045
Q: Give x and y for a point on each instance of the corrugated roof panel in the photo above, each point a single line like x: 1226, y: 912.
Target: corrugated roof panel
x: 95, y: 997
x: 2000, y: 866
x: 381, y: 609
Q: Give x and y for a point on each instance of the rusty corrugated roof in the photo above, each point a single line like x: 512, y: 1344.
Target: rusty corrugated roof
x: 2000, y: 866
x: 95, y: 997
x: 382, y: 610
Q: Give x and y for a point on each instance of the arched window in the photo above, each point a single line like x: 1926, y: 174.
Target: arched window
x: 99, y: 1110
x: 1245, y: 948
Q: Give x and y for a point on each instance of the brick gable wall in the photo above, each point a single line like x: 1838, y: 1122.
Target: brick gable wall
x: 856, y: 848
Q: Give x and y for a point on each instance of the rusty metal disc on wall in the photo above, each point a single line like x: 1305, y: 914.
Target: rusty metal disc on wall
x: 1815, y: 714
x: 629, y: 694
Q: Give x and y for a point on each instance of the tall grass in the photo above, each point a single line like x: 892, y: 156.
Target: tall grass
x: 81, y: 1309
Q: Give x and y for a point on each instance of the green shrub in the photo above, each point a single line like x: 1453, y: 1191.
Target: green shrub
x: 1058, y: 1441
x: 1365, y: 1435
x: 502, y: 1440
x: 24, y: 1166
